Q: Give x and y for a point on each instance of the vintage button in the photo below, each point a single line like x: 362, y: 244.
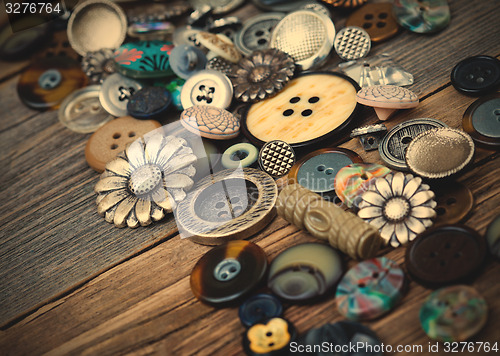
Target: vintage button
x: 341, y: 336
x: 145, y: 59
x: 228, y: 205
x: 476, y: 75
x: 256, y: 32
x: 422, y: 17
x: 482, y: 121
x: 218, y: 6
x: 270, y: 337
x: 157, y: 11
x: 258, y: 308
x: 150, y: 30
x: 276, y: 158
x: 262, y: 74
x: 46, y: 82
x: 312, y: 107
x: 493, y: 236
x: 149, y: 103
x: 307, y: 36
x: 453, y: 314
x: 221, y: 65
x: 20, y: 45
x: 220, y: 46
x: 370, y: 289
x: 304, y: 271
x: 113, y: 137
x: 210, y: 122
x: 99, y: 65
x: 369, y: 136
x: 345, y: 3
x: 354, y: 179
x: 228, y: 272
x: 240, y: 154
x: 82, y: 112
x: 317, y: 170
x: 58, y: 46
x: 400, y: 206
x: 352, y: 43
x: 387, y: 99
x: 186, y: 60
x: 207, y: 87
x: 454, y: 201
x: 115, y: 93
x: 278, y: 5
x: 185, y: 36
x: 314, y: 6
x: 446, y: 255
x: 376, y: 19
x: 226, y: 26
x: 96, y: 24
x: 393, y: 146
x: 439, y: 153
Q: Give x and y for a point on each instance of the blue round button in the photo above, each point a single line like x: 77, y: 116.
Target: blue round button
x: 149, y: 103
x: 258, y: 308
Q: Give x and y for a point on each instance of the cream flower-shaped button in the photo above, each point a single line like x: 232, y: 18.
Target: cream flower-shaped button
x: 386, y: 99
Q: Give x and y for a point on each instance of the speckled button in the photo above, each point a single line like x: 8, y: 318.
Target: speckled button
x: 149, y: 103
x: 422, y: 17
x: 493, y: 236
x: 453, y: 314
x: 482, y: 121
x: 276, y: 158
x: 446, y: 255
x: 210, y: 122
x: 186, y: 60
x: 256, y: 32
x: 113, y: 137
x: 144, y: 59
x: 270, y: 337
x: 241, y: 154
x: 207, y: 87
x: 115, y: 93
x: 352, y: 43
x: 370, y: 289
x: 476, y: 75
x: 305, y: 271
x: 454, y: 202
x: 376, y: 19
x: 258, y: 308
x: 228, y: 272
x: 317, y: 170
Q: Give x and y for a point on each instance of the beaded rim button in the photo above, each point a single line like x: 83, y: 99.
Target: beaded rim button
x: 228, y: 272
x: 207, y: 87
x: 352, y: 43
x: 276, y: 158
x: 482, y: 121
x: 376, y: 19
x: 258, y: 308
x: 210, y: 122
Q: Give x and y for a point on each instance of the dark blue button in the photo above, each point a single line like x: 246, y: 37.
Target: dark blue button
x: 149, y: 103
x: 258, y: 308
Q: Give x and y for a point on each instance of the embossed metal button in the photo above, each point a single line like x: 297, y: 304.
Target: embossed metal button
x: 256, y: 32
x: 453, y: 314
x: 482, y: 121
x: 422, y: 17
x: 241, y: 154
x: 307, y: 36
x: 231, y: 204
x: 207, y: 87
x: 477, y: 75
x: 149, y: 103
x: 352, y: 43
x: 116, y: 92
x: 276, y: 158
x: 99, y: 65
x: 258, y: 308
x: 376, y: 19
x: 228, y: 272
x: 82, y: 112
x: 454, y: 201
x: 210, y: 122
x: 446, y: 255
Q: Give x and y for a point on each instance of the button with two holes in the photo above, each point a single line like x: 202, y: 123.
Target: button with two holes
x: 376, y: 19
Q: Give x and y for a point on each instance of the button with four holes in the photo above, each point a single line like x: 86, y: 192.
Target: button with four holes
x: 276, y: 158
x: 352, y: 43
x: 476, y: 75
x: 116, y: 92
x: 376, y: 19
x: 207, y: 87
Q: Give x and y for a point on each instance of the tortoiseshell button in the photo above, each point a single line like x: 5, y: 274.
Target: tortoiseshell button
x: 305, y: 271
x: 493, y: 236
x: 271, y: 337
x: 454, y: 201
x: 48, y: 81
x: 478, y: 75
x: 446, y: 255
x: 453, y: 314
x: 370, y: 289
x: 482, y: 121
x: 228, y: 272
x: 210, y: 122
x: 376, y: 19
x: 258, y: 308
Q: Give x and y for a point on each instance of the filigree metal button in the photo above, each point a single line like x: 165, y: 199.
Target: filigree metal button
x: 482, y: 121
x: 210, y: 122
x: 256, y: 32
x: 422, y: 17
x: 276, y: 158
x: 116, y: 92
x: 99, y: 65
x: 352, y: 43
x: 207, y: 87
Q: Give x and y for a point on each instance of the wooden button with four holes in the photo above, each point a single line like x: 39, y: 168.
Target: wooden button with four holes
x: 112, y: 138
x: 376, y: 19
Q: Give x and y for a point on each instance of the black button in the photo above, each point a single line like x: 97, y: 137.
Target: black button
x: 477, y: 75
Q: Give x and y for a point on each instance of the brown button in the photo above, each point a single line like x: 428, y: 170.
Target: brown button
x: 113, y: 138
x: 454, y: 202
x: 59, y: 46
x: 376, y: 19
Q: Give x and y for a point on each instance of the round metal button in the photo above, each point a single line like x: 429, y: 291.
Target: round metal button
x: 258, y: 308
x: 352, y: 43
x: 317, y: 170
x: 116, y: 92
x: 241, y: 154
x: 99, y: 65
x: 454, y: 202
x: 307, y: 36
x: 482, y: 121
x: 393, y: 146
x: 231, y: 204
x: 422, y: 17
x: 186, y: 60
x: 82, y: 112
x: 149, y: 103
x: 477, y: 75
x: 256, y: 32
x: 445, y: 255
x: 370, y: 289
x: 276, y: 158
x: 228, y: 272
x: 453, y: 314
x: 376, y: 19
x: 207, y: 87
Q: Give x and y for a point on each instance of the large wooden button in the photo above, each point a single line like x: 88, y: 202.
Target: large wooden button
x: 445, y: 255
x: 482, y: 121
x: 228, y: 272
x: 112, y: 138
x: 454, y: 201
x: 376, y: 19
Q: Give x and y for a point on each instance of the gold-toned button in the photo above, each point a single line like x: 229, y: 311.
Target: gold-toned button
x: 376, y: 19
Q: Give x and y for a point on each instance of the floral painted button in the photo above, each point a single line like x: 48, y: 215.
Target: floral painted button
x: 210, y: 122
x: 207, y: 87
x: 305, y: 271
x: 258, y: 308
x: 228, y: 272
x: 241, y: 154
x: 422, y: 17
x: 387, y: 99
x: 453, y: 314
x: 376, y: 19
x: 113, y: 137
x: 271, y: 337
x: 493, y: 236
x: 370, y: 289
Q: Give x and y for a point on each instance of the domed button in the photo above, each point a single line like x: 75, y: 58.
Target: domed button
x: 370, y: 289
x: 228, y: 272
x: 446, y: 255
x: 453, y: 314
x: 352, y: 43
x: 210, y: 122
x: 305, y: 271
x: 207, y: 87
x: 149, y: 103
x: 116, y: 91
x: 240, y: 154
x: 476, y: 75
x: 271, y: 337
x: 387, y: 99
x: 258, y: 308
x: 422, y: 17
x: 376, y: 19
x: 482, y: 121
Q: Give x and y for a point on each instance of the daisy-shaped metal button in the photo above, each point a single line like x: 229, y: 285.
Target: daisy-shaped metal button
x: 262, y: 74
x: 145, y: 181
x: 400, y: 206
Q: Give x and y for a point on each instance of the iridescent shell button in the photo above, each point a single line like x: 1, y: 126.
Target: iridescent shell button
x: 370, y: 289
x: 210, y: 122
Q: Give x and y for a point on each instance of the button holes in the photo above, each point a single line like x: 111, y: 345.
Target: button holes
x: 271, y: 344
x: 259, y: 33
x: 219, y: 205
x: 114, y: 146
x: 370, y: 140
x: 442, y: 263
x: 433, y: 254
x: 320, y: 168
x: 368, y: 16
x: 447, y: 245
x: 62, y: 54
x: 480, y: 80
x: 234, y: 200
x: 223, y: 275
x: 380, y: 24
x: 406, y: 140
x: 237, y: 209
x: 131, y: 134
x: 295, y: 99
x: 469, y: 76
x: 422, y: 9
x: 451, y: 201
x: 375, y: 275
x: 458, y: 254
x: 95, y: 108
x: 116, y: 136
x: 239, y: 155
x: 367, y: 25
x: 307, y: 112
x: 364, y: 176
x: 232, y: 269
x: 487, y: 72
x: 261, y: 41
x: 313, y: 100
x: 329, y: 171
x: 287, y: 112
x: 440, y: 211
x: 361, y: 285
x: 382, y: 15
x: 222, y: 214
